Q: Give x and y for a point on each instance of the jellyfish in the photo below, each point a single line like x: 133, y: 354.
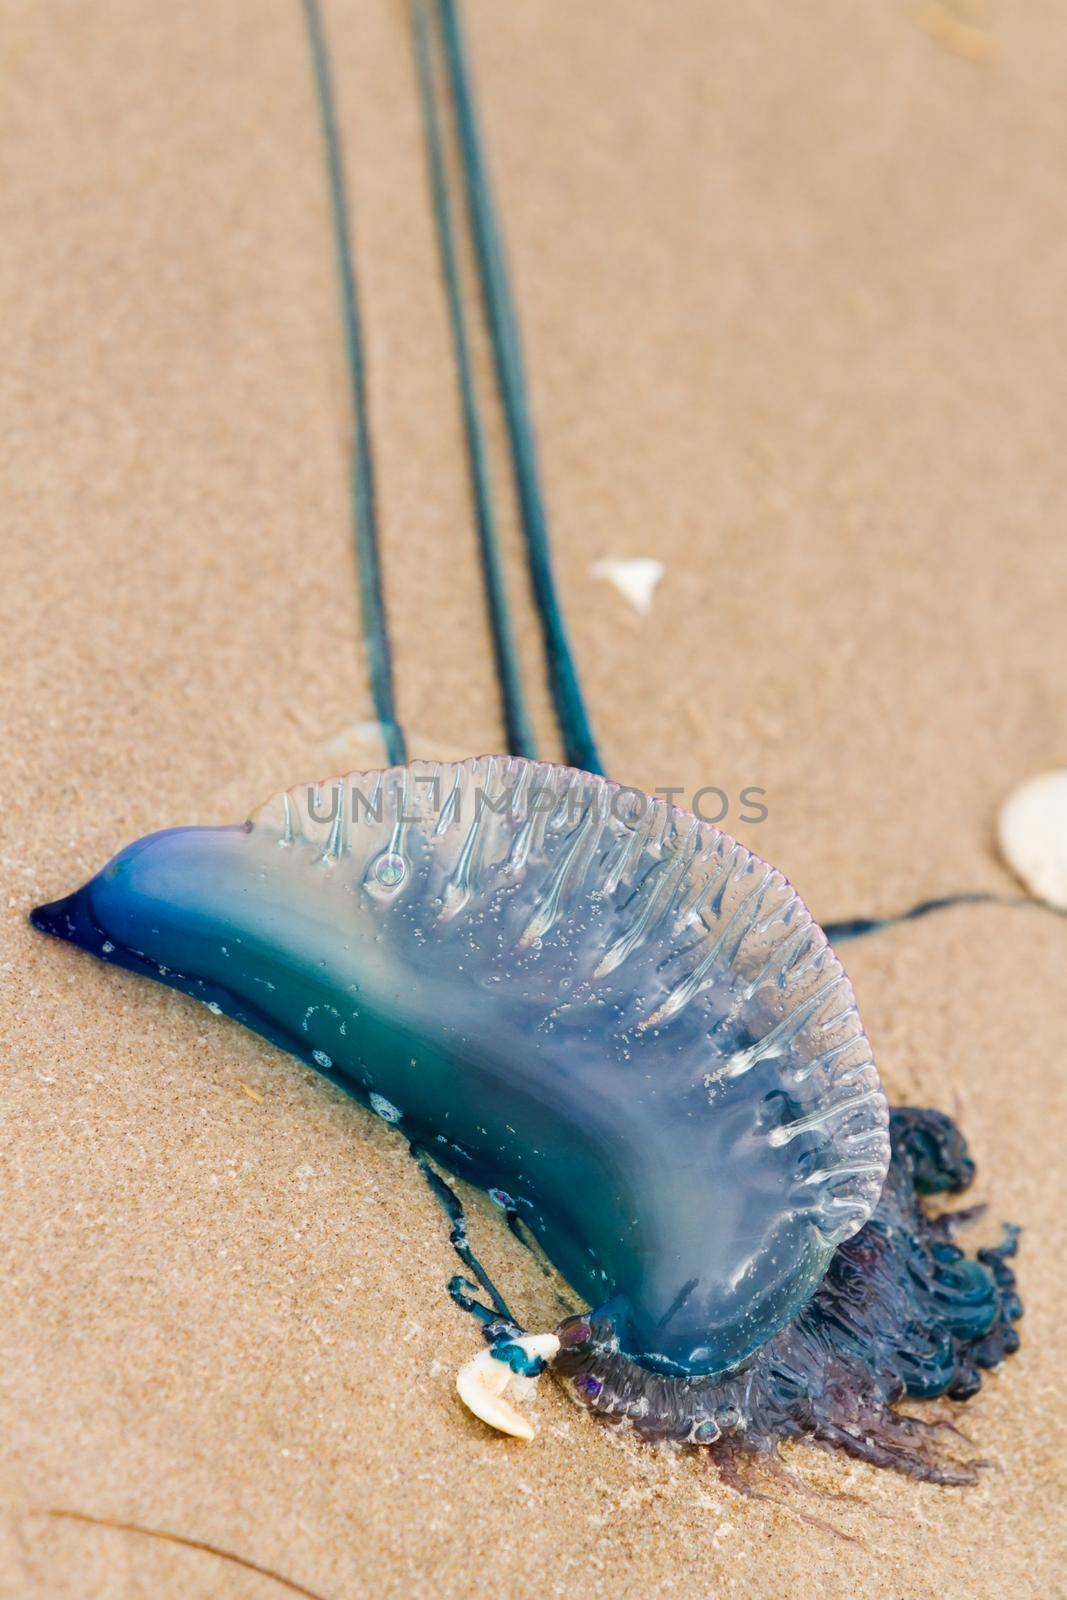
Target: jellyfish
x: 618, y: 1018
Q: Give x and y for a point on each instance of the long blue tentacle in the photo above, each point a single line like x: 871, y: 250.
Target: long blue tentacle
x: 509, y: 673
x: 368, y: 559
x: 579, y: 743
x: 857, y: 927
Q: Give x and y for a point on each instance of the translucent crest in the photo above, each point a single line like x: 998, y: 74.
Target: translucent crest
x: 568, y: 991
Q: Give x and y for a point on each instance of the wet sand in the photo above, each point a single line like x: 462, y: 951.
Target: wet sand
x: 792, y: 293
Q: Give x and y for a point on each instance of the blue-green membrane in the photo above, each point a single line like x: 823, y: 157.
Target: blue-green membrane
x: 566, y: 992
x: 626, y: 1028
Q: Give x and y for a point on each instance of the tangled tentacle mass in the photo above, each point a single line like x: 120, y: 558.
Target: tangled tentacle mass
x: 902, y: 1312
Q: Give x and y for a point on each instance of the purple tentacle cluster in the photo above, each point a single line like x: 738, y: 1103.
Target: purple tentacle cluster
x: 901, y: 1312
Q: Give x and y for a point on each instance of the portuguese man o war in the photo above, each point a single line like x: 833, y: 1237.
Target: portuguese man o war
x: 618, y: 1019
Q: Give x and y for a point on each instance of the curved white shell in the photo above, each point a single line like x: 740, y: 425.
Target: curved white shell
x: 1033, y: 836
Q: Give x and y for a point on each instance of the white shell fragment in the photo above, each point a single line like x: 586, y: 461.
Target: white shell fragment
x: 1033, y: 836
x: 636, y: 579
x: 482, y: 1381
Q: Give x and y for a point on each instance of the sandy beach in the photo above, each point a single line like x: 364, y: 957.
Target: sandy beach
x: 791, y: 283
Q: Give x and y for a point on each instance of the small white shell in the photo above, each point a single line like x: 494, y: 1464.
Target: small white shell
x: 1033, y: 836
x: 636, y: 579
x: 481, y: 1383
